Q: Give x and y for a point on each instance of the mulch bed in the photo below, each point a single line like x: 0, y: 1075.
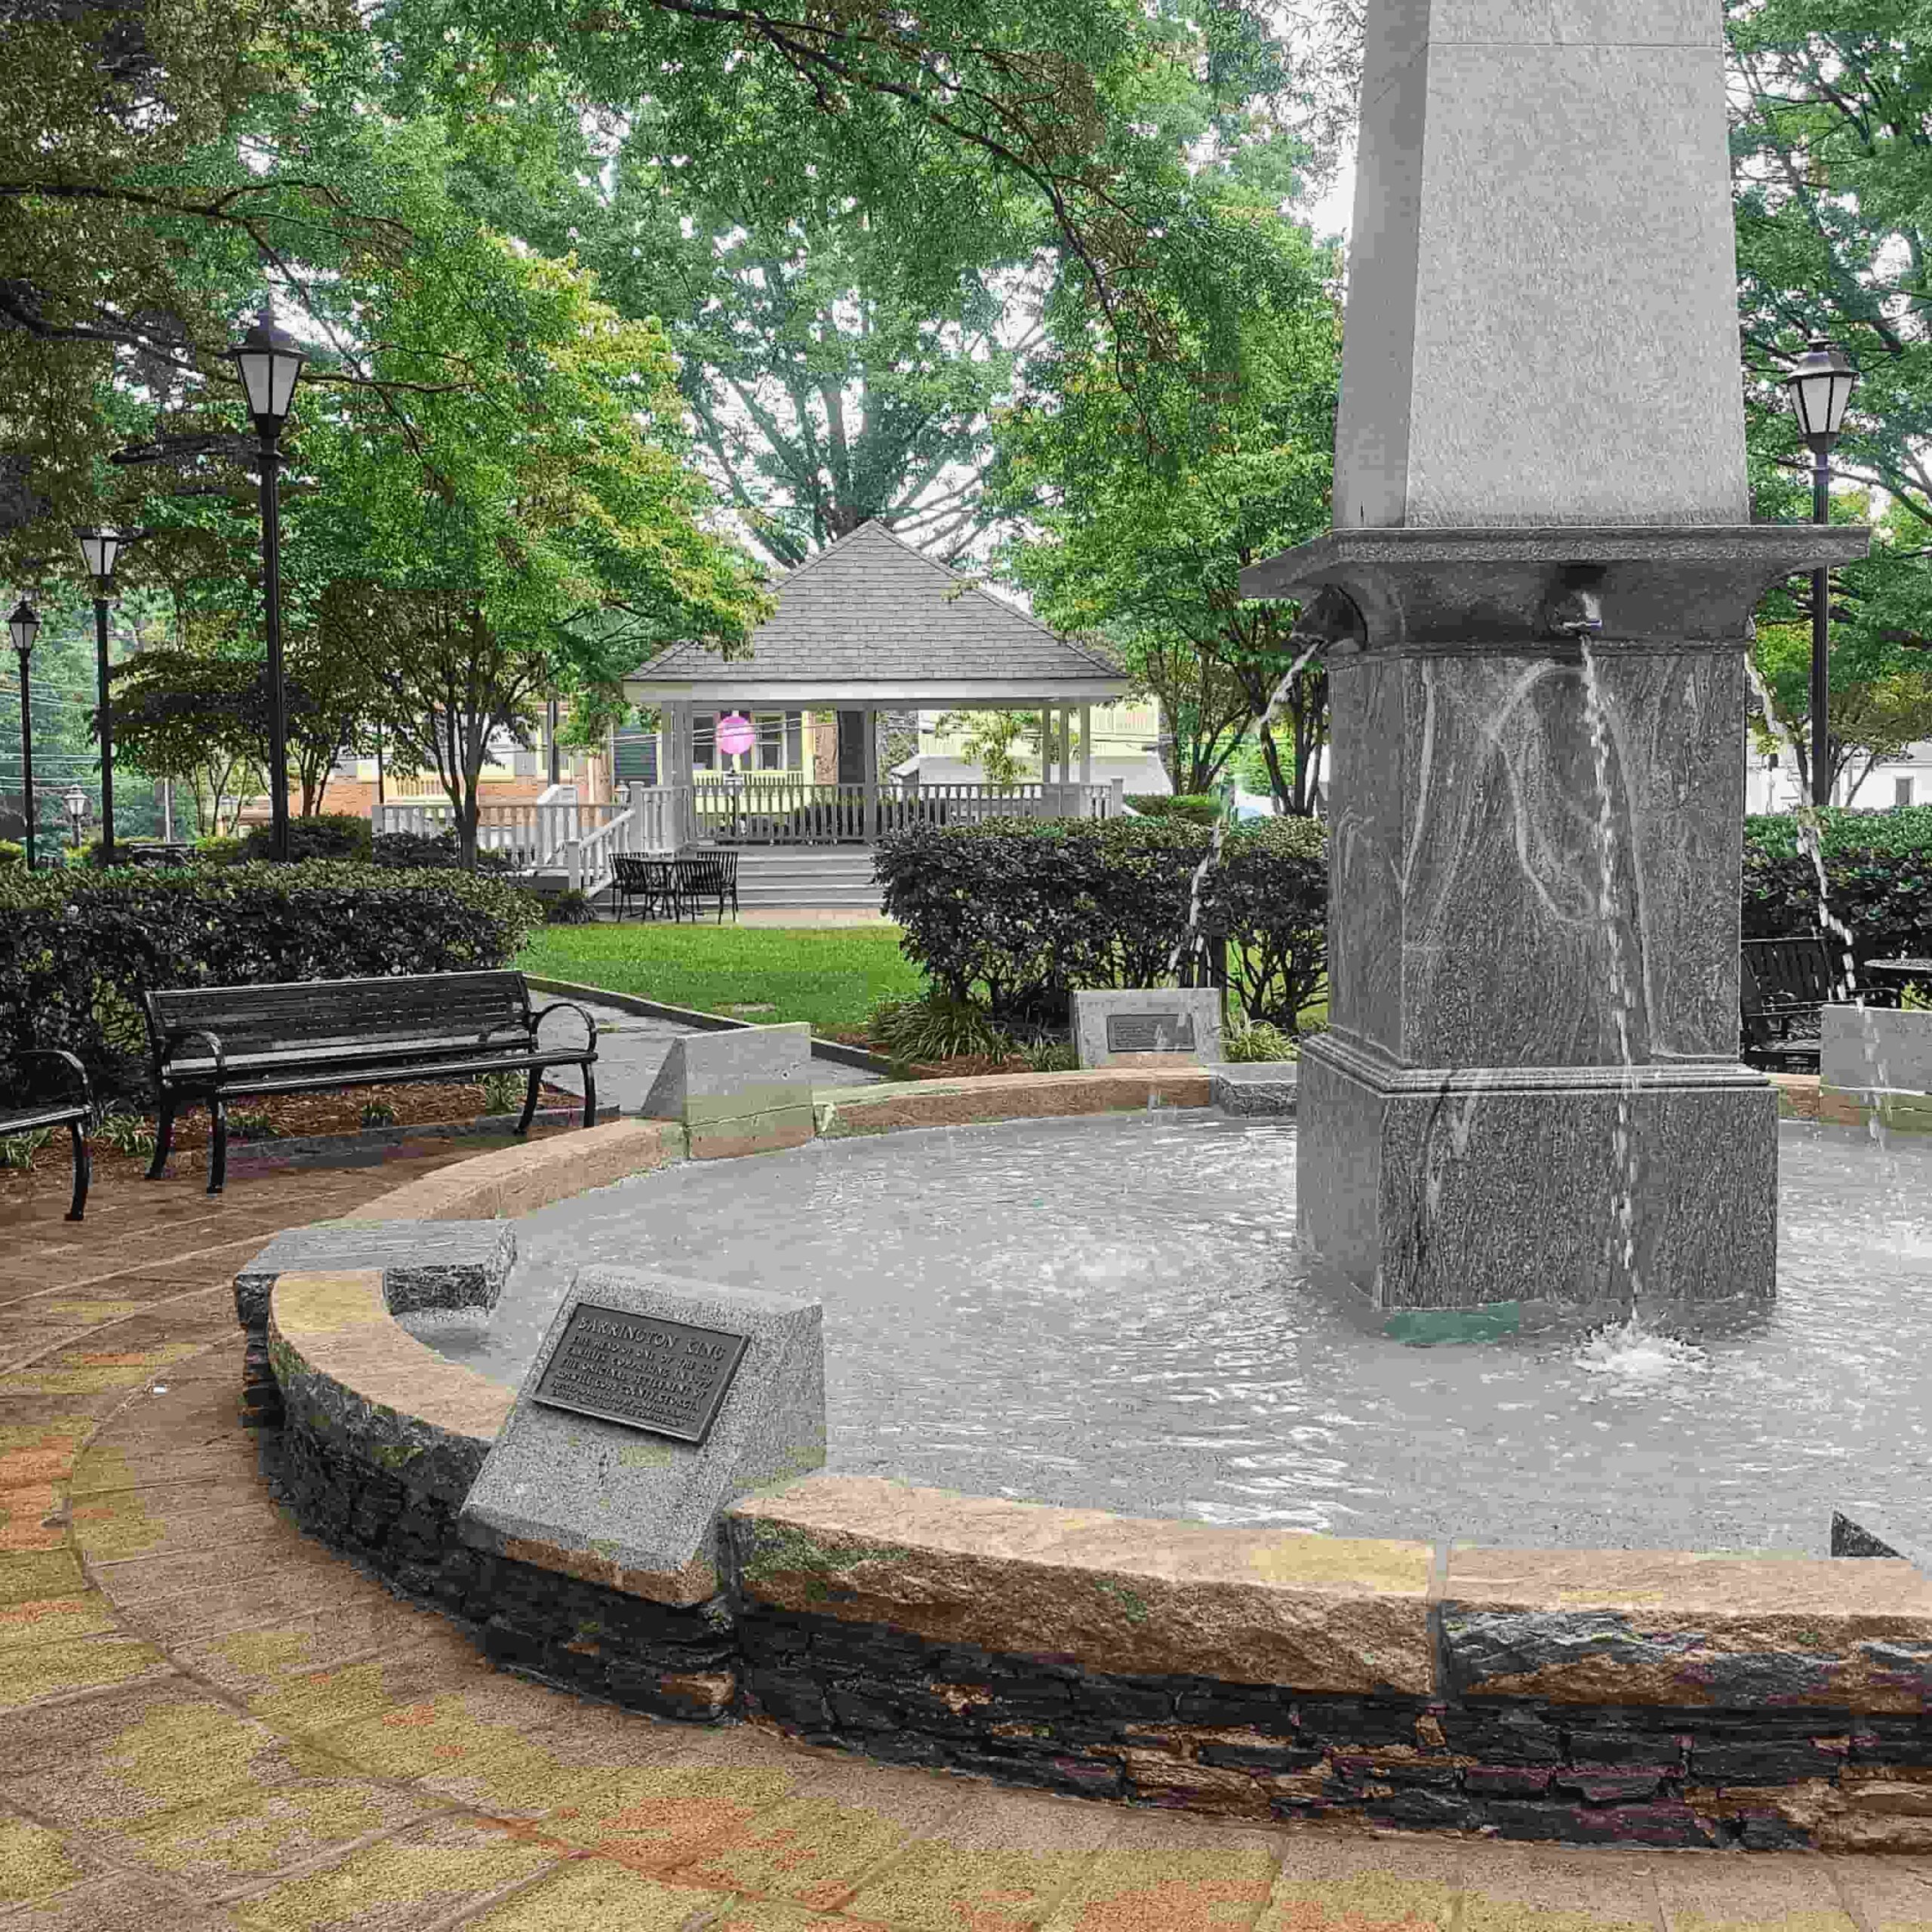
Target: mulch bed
x: 337, y: 1110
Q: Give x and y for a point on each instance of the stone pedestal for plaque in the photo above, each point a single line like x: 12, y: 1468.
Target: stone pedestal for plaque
x: 748, y: 1091
x: 1149, y: 1026
x: 1535, y: 601
x: 652, y: 1403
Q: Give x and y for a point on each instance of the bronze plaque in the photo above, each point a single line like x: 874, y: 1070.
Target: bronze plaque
x: 641, y: 1371
x: 1150, y: 1033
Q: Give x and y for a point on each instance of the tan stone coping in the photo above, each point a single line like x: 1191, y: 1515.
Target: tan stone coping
x: 350, y: 1371
x: 1803, y: 1096
x: 1115, y: 1593
x: 519, y: 1180
x: 891, y: 1105
x: 1118, y: 1594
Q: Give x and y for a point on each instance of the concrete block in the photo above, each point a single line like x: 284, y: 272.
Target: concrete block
x: 1153, y: 1026
x: 1257, y: 1086
x: 1871, y: 1050
x: 636, y: 1508
x: 423, y: 1264
x: 746, y: 1092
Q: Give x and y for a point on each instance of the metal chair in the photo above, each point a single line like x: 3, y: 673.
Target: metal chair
x: 710, y: 875
x: 652, y: 883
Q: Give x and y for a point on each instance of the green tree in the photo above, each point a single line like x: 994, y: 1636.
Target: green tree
x: 1833, y: 149
x: 1139, y: 524
x: 541, y: 533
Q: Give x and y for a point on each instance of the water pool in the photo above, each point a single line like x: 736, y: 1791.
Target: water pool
x: 1111, y: 1312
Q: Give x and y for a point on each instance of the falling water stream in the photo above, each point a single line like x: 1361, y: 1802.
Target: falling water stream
x: 1622, y: 993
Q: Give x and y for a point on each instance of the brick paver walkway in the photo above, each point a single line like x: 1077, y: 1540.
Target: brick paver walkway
x: 208, y: 1720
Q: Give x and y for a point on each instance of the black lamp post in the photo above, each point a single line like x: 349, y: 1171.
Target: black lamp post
x: 269, y: 362
x: 24, y: 627
x: 100, y: 550
x: 1820, y: 386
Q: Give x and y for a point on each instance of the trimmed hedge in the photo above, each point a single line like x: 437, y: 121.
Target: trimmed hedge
x: 77, y: 950
x: 1028, y: 910
x: 1195, y: 807
x: 321, y: 835
x: 1877, y: 865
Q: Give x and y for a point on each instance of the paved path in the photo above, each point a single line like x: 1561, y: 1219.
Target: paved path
x: 208, y: 1721
x: 631, y: 1048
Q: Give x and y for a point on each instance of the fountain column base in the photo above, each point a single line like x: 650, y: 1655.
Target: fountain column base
x: 1427, y: 1189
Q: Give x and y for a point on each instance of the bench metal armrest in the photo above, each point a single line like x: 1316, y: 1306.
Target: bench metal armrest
x: 175, y: 1035
x: 71, y: 1061
x: 567, y: 1006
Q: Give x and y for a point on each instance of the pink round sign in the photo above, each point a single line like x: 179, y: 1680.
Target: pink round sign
x: 735, y: 735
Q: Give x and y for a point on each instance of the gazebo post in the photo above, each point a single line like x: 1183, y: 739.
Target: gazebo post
x: 1086, y: 747
x: 870, y: 729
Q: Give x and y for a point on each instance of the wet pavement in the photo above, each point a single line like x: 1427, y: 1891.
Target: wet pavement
x: 208, y: 1720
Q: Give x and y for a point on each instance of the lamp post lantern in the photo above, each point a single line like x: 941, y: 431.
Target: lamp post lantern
x: 22, y: 627
x: 1820, y: 386
x: 76, y: 802
x: 100, y: 551
x: 269, y: 363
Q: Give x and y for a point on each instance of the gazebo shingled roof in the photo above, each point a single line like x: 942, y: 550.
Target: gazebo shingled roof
x: 870, y: 620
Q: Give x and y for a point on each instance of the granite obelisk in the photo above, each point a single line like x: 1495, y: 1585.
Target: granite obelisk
x: 1537, y: 598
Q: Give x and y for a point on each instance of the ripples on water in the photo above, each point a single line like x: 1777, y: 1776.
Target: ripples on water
x: 1110, y: 1312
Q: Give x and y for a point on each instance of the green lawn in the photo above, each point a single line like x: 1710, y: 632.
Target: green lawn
x: 829, y: 975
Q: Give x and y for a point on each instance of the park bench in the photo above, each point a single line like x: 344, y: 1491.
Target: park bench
x: 213, y: 1044
x: 1784, y: 987
x: 75, y: 1111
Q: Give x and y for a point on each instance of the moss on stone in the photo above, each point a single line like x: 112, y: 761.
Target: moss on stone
x: 1131, y: 1606
x: 779, y: 1550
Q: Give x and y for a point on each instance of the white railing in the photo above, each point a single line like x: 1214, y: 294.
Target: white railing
x: 540, y: 836
x: 761, y: 810
x: 657, y: 814
x: 533, y: 834
x: 971, y: 804
x: 587, y: 866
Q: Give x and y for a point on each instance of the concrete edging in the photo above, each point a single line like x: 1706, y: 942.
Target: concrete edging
x: 1634, y: 1696
x: 835, y: 1050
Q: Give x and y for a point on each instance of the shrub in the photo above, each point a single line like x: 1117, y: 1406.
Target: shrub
x: 379, y: 1113
x: 1051, y: 1056
x: 78, y: 949
x: 1258, y: 1040
x: 251, y: 1124
x: 937, y: 1027
x: 125, y: 1131
x: 326, y: 836
x: 218, y: 849
x: 1027, y: 910
x: 503, y: 1093
x: 12, y: 853
x: 17, y: 1150
x: 1190, y: 808
x: 416, y: 852
x: 1878, y: 868
x: 569, y: 908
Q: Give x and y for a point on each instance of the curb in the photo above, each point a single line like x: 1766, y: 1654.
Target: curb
x: 300, y: 1150
x: 706, y: 1023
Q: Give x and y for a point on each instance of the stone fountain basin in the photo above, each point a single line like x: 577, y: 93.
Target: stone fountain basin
x: 1659, y: 1697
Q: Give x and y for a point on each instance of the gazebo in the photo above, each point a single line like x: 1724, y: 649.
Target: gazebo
x: 868, y: 626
